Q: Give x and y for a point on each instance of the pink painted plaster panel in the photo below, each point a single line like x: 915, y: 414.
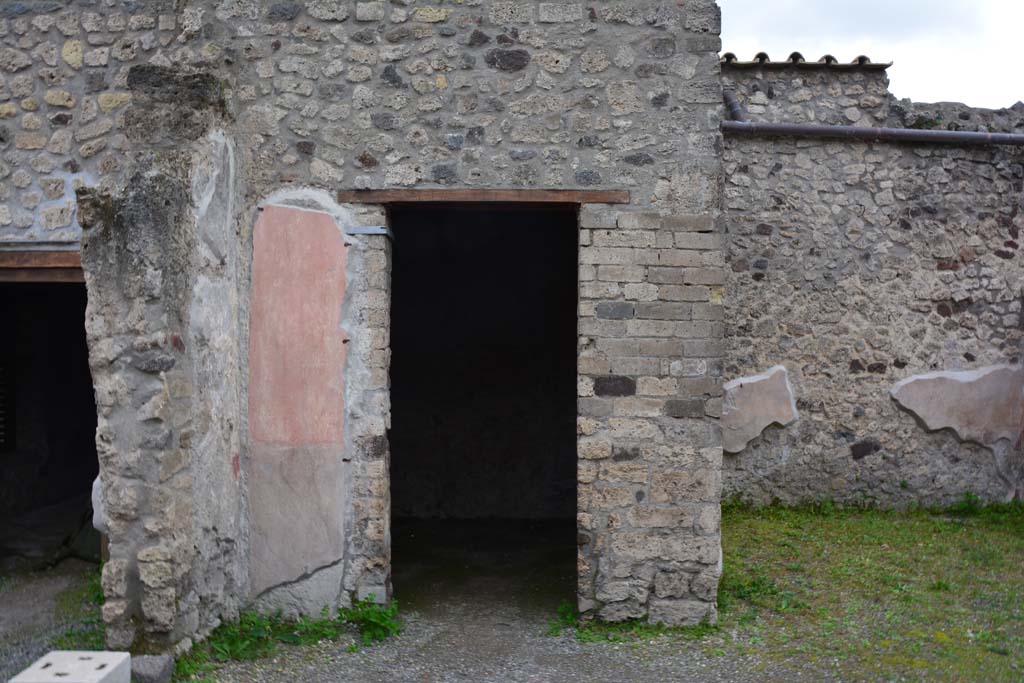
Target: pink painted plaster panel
x: 296, y: 343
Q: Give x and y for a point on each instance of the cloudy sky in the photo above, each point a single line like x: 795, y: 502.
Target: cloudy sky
x: 943, y: 50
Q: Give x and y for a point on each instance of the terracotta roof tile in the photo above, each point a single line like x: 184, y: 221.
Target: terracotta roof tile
x: 761, y: 59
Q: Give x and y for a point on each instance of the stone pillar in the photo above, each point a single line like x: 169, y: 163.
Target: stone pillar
x: 368, y: 560
x: 650, y: 452
x: 161, y: 262
x: 651, y: 346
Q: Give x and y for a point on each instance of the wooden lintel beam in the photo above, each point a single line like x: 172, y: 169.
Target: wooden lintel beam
x: 42, y: 275
x: 484, y: 196
x: 40, y: 259
x: 41, y: 266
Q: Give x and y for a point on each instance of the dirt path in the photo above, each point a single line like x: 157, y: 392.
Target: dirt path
x: 31, y: 615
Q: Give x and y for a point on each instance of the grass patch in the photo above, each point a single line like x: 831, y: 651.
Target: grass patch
x: 632, y: 631
x: 255, y: 636
x: 81, y: 605
x: 921, y: 595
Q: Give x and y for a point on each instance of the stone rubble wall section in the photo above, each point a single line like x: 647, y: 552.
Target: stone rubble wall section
x: 337, y: 93
x: 859, y: 265
x: 63, y: 98
x: 114, y: 100
x: 815, y: 95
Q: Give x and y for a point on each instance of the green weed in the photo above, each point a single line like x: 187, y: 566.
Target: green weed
x: 255, y: 636
x: 567, y: 617
x: 375, y: 622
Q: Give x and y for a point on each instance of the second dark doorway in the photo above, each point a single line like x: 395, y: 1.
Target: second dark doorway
x: 483, y: 396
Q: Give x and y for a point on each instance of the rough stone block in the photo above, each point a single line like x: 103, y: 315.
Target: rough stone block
x: 510, y: 12
x: 640, y: 221
x: 681, y: 612
x: 598, y: 216
x: 431, y: 15
x: 328, y: 10
x: 672, y: 584
x: 370, y: 11
x: 669, y: 517
x: 704, y: 276
x: 691, y: 223
x: 614, y: 385
x: 152, y: 668
x: 552, y: 12
x: 659, y: 310
x: 616, y: 310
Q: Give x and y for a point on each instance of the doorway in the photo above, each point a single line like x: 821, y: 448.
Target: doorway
x: 47, y: 426
x: 483, y: 403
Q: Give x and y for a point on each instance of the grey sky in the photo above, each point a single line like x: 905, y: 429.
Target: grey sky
x: 943, y: 50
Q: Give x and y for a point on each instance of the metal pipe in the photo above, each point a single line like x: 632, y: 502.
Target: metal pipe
x: 736, y: 112
x: 738, y: 124
x: 810, y: 130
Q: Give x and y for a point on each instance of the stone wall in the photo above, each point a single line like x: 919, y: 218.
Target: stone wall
x: 811, y: 93
x: 854, y: 266
x: 173, y: 120
x: 859, y: 265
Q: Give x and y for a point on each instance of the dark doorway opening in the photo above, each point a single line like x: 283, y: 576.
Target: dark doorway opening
x: 483, y: 403
x: 47, y: 426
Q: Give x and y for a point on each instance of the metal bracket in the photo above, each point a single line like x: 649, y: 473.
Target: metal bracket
x: 370, y: 230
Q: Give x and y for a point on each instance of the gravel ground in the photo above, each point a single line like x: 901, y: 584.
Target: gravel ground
x: 502, y: 645
x: 483, y: 615
x: 30, y: 614
x: 474, y: 641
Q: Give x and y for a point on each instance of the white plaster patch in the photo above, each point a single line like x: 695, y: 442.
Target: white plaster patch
x: 753, y: 403
x: 99, y: 513
x: 213, y: 190
x: 984, y: 406
x: 314, y: 199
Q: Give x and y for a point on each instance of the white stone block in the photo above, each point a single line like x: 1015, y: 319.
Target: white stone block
x: 63, y: 666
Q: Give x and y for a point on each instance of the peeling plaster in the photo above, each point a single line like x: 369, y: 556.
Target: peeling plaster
x: 314, y: 199
x: 983, y: 406
x: 754, y: 403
